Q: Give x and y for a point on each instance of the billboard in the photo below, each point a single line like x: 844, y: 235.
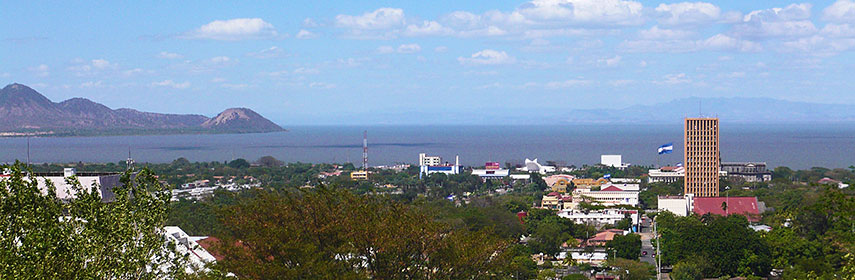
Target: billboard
x: 491, y: 165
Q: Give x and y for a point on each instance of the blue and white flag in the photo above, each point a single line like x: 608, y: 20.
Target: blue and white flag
x: 666, y: 149
x: 450, y: 197
x: 607, y: 176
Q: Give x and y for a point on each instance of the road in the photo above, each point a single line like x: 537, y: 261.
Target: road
x: 647, y: 234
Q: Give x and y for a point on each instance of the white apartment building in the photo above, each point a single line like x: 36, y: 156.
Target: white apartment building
x: 607, y: 197
x: 425, y: 160
x: 601, y: 217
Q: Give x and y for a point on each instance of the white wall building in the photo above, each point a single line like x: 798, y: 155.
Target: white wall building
x: 429, y: 160
x: 679, y: 205
x: 607, y: 197
x: 534, y: 166
x: 447, y: 169
x: 487, y: 174
x: 602, y: 217
x: 105, y: 181
x: 666, y: 174
x: 613, y: 161
x: 187, y: 245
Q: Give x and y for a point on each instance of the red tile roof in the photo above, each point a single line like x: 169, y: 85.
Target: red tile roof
x: 746, y: 206
x: 612, y: 189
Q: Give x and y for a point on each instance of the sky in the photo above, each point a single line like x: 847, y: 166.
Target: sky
x: 425, y: 62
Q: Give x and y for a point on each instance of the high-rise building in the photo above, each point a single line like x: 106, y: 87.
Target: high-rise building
x: 701, y: 157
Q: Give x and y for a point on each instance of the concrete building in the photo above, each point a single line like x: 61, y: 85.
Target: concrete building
x: 621, y: 187
x: 186, y: 245
x: 597, y: 217
x: 430, y: 165
x: 559, y: 182
x: 749, y: 207
x: 359, y: 175
x: 534, y: 166
x: 747, y: 171
x: 587, y: 183
x: 491, y: 174
x: 613, y: 161
x: 607, y: 197
x: 701, y: 157
x: 429, y: 160
x: 666, y: 174
x: 679, y: 205
x: 105, y: 181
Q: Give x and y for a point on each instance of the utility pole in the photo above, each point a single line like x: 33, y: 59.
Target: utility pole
x: 658, y: 254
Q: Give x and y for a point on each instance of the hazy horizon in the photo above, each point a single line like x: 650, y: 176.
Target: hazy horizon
x: 428, y: 63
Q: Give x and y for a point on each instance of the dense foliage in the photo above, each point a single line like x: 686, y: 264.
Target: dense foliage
x: 43, y: 237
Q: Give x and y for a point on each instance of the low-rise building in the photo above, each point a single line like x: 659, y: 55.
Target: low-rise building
x: 533, y: 166
x: 615, y: 161
x: 106, y: 182
x: 556, y: 201
x: 608, y: 197
x: 491, y: 171
x: 359, y: 175
x: 749, y: 207
x: 679, y: 205
x: 430, y: 165
x: 747, y: 171
x: 559, y: 182
x: 587, y: 183
x: 186, y: 245
x: 666, y: 174
x: 598, y: 217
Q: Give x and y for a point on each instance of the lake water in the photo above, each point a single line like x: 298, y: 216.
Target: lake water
x: 796, y: 146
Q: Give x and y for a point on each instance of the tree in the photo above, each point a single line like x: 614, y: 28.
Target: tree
x: 631, y: 270
x: 688, y: 270
x: 332, y: 233
x: 269, y: 161
x: 44, y: 237
x: 625, y: 246
x: 239, y: 164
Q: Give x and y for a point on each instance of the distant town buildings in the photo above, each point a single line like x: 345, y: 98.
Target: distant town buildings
x: 359, y: 175
x: 747, y: 171
x: 491, y: 171
x: 701, y: 157
x: 433, y: 164
x: 666, y: 174
x: 533, y: 166
x: 613, y: 161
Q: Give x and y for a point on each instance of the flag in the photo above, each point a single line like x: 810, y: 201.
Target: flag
x: 607, y: 176
x: 666, y: 149
x: 680, y: 164
x: 450, y: 197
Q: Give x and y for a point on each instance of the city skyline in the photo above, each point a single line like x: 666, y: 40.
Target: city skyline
x: 294, y: 62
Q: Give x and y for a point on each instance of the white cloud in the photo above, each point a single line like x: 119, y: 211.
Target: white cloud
x: 169, y: 55
x: 842, y: 11
x: 409, y: 48
x: 790, y: 21
x: 609, y: 61
x: 440, y: 49
x: 381, y: 18
x: 219, y: 60
x: 218, y: 80
x: 404, y: 48
x: 92, y: 84
x: 427, y: 28
x: 733, y: 75
x: 308, y: 22
x: 321, y: 85
x: 234, y: 29
x: 303, y: 70
x: 620, y: 83
x: 42, y: 70
x: 306, y: 34
x: 674, y: 79
x: 170, y: 83
x: 566, y: 84
x: 92, y: 67
x: 718, y: 42
x: 838, y: 30
x: 596, y: 12
x: 235, y: 86
x: 487, y: 57
x: 271, y: 52
x: 656, y: 33
x: 687, y: 13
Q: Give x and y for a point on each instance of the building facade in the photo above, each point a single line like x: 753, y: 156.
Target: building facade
x: 701, y: 157
x: 747, y: 171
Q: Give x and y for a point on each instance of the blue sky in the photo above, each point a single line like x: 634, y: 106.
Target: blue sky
x: 426, y: 62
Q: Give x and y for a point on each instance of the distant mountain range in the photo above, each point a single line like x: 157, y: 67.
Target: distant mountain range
x: 24, y: 110
x: 737, y: 110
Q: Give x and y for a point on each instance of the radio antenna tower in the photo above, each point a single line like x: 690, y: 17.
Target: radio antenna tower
x: 130, y: 160
x: 365, y: 150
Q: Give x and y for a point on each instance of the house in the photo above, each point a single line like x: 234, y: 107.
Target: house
x: 588, y: 183
x: 197, y: 255
x: 746, y: 206
x: 601, y: 238
x: 559, y: 182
